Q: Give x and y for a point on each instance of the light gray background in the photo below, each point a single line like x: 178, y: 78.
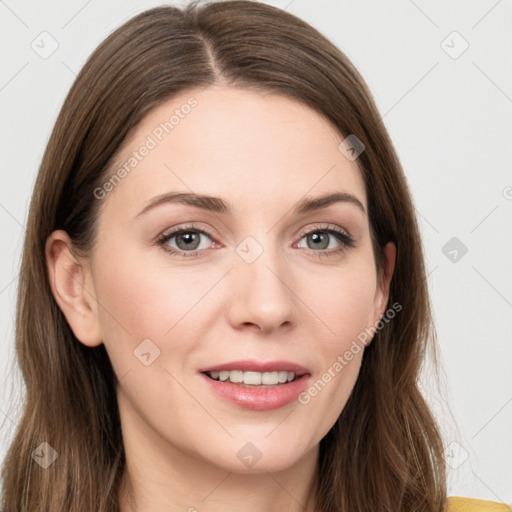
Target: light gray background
x: 450, y: 117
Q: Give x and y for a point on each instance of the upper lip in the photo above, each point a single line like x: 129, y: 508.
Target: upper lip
x: 258, y: 366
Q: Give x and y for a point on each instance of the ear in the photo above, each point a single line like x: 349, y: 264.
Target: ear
x: 72, y: 288
x: 384, y: 281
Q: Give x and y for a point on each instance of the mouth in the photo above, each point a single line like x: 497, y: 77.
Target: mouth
x: 257, y: 385
x: 253, y: 379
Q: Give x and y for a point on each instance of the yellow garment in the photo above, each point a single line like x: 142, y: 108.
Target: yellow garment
x: 458, y: 504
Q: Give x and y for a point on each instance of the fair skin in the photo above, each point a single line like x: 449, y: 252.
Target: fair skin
x: 261, y: 153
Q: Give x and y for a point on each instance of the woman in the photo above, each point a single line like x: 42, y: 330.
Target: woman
x: 222, y: 301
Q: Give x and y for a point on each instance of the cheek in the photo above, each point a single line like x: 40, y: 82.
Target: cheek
x: 139, y: 300
x: 343, y: 299
x: 339, y: 351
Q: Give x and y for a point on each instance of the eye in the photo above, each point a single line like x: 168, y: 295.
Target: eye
x: 189, y: 241
x: 186, y: 239
x: 327, y: 241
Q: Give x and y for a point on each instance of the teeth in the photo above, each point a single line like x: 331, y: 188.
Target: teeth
x: 253, y: 378
x: 282, y: 376
x: 236, y: 376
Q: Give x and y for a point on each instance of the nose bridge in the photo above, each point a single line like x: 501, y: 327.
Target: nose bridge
x: 262, y: 285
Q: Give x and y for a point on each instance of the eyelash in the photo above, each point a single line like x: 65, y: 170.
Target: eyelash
x: 346, y: 240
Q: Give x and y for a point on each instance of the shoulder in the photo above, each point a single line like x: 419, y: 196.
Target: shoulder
x: 459, y: 504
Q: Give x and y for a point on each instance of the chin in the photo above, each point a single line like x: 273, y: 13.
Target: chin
x: 252, y: 457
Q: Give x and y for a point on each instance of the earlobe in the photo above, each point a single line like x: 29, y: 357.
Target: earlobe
x: 72, y: 289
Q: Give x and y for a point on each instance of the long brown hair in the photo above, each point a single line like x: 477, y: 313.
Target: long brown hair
x: 384, y: 452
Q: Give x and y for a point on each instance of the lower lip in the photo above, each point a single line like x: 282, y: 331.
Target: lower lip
x: 259, y: 399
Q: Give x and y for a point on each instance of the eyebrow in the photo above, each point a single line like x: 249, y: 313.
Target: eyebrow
x: 218, y: 205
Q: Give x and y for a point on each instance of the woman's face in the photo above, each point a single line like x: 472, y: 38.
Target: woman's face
x: 258, y: 281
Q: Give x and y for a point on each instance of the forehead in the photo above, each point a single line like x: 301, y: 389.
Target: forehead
x: 249, y: 145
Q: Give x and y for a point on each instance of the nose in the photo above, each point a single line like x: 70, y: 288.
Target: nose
x: 261, y: 294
